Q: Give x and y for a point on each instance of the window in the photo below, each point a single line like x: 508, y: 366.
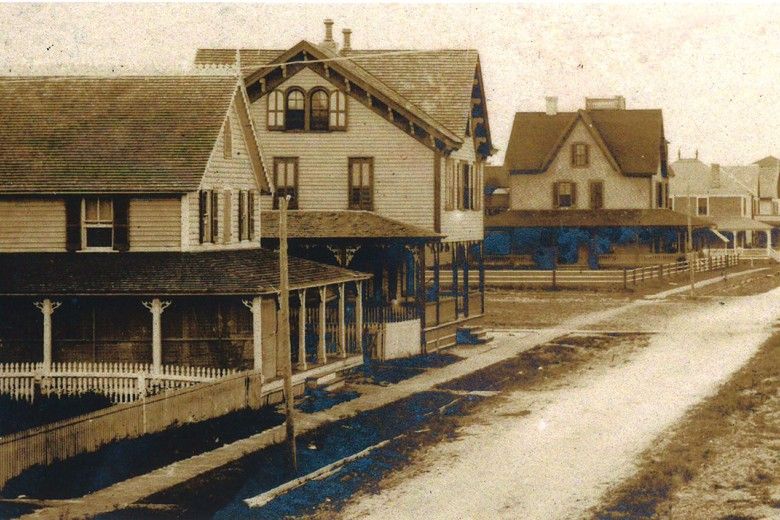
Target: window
x: 659, y: 195
x: 246, y: 215
x: 702, y: 206
x: 338, y: 110
x: 208, y: 216
x: 564, y: 194
x: 361, y: 183
x: 286, y: 180
x: 276, y: 110
x: 319, y: 110
x: 466, y: 191
x: 228, y: 140
x: 596, y: 195
x: 295, y: 110
x: 580, y: 155
x: 97, y: 226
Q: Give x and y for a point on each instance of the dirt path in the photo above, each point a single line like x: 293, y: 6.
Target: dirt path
x: 557, y: 460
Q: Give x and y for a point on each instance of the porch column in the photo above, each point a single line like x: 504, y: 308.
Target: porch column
x: 768, y: 233
x: 454, y: 258
x: 437, y: 281
x: 736, y: 237
x: 419, y: 276
x: 156, y: 307
x: 466, y: 280
x: 359, y: 315
x: 342, y: 323
x: 322, y: 356
x: 255, y: 306
x: 47, y: 308
x: 482, y: 277
x: 302, y: 330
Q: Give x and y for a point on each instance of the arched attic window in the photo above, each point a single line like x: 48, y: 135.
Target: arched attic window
x: 319, y: 110
x: 295, y: 110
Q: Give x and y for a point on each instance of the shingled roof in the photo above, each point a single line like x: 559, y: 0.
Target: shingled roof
x: 437, y: 82
x: 592, y: 218
x: 237, y: 272
x: 110, y: 134
x: 633, y: 139
x: 345, y: 224
x: 697, y: 176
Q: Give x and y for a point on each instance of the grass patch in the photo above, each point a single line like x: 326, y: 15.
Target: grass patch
x: 668, y: 468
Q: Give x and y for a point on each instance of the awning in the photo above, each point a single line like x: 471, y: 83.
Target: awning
x: 238, y: 272
x: 593, y: 218
x: 739, y: 224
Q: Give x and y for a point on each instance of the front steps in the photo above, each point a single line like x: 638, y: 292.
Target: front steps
x: 472, y: 335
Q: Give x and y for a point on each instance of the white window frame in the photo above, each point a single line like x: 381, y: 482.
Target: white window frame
x: 99, y: 223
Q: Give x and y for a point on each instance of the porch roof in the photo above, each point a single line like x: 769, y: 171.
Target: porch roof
x: 739, y: 224
x: 238, y: 272
x: 342, y: 224
x: 593, y: 218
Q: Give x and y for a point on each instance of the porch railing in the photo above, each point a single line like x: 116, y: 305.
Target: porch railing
x: 120, y: 382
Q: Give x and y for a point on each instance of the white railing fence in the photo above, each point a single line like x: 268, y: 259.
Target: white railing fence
x: 120, y: 382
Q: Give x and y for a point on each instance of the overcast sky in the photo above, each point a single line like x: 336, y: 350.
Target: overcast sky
x: 714, y: 70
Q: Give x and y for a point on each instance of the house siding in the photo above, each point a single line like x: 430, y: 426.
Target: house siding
x: 534, y: 191
x: 227, y: 177
x: 463, y: 225
x: 403, y: 167
x: 32, y: 225
x: 155, y: 224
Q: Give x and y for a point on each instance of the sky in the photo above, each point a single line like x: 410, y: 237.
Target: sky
x: 713, y: 69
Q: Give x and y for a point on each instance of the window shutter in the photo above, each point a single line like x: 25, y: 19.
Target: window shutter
x: 228, y: 217
x: 121, y: 223
x: 242, y: 231
x: 555, y: 195
x: 202, y: 198
x: 573, y: 194
x: 250, y: 211
x: 73, y: 223
x: 214, y: 216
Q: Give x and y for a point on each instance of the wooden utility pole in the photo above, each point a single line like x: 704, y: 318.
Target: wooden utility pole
x: 284, y: 331
x: 690, y: 242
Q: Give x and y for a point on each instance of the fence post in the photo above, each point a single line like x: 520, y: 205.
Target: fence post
x: 554, y: 286
x: 625, y: 278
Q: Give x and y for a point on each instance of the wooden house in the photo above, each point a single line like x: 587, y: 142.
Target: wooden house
x: 593, y: 180
x: 130, y: 221
x: 382, y: 153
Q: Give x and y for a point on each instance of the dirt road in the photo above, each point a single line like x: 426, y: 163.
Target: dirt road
x: 557, y: 460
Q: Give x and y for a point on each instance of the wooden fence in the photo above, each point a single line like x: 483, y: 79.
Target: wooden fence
x: 120, y: 382
x: 87, y: 433
x: 572, y: 277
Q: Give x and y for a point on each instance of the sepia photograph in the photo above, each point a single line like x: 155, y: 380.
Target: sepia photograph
x: 392, y: 261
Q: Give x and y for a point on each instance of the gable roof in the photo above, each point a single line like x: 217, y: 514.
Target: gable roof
x: 769, y: 160
x: 132, y: 134
x: 435, y: 87
x: 632, y: 140
x: 693, y: 173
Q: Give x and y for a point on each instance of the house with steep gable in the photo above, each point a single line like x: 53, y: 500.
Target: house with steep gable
x: 587, y: 184
x: 387, y: 146
x: 130, y: 222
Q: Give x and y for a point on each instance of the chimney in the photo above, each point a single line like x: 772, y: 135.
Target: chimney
x: 696, y: 156
x: 715, y: 175
x: 347, y: 39
x: 329, y: 41
x: 552, y: 105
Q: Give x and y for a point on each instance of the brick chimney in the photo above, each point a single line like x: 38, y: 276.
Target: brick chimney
x: 347, y: 39
x: 552, y: 105
x: 329, y: 41
x: 715, y: 175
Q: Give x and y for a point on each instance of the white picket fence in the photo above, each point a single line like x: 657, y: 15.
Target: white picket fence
x: 120, y: 382
x: 572, y: 277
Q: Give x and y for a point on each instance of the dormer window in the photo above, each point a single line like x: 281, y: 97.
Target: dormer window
x: 295, y: 110
x: 276, y: 110
x: 580, y: 155
x: 319, y: 110
x: 97, y: 225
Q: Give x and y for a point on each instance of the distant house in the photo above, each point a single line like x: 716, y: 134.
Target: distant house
x: 130, y: 230
x: 496, y: 189
x: 725, y: 195
x: 768, y: 193
x: 382, y: 153
x: 595, y: 180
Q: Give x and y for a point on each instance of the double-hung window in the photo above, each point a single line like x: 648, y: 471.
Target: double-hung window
x: 246, y: 215
x: 208, y: 213
x: 97, y: 225
x: 286, y: 180
x: 596, y: 195
x: 295, y: 110
x: 361, y: 183
x: 580, y: 155
x: 702, y: 206
x: 276, y: 110
x: 564, y: 194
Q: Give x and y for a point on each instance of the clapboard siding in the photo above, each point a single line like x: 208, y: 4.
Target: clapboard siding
x: 155, y: 224
x: 534, y: 191
x: 460, y: 225
x: 226, y: 176
x: 403, y: 167
x: 32, y: 225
